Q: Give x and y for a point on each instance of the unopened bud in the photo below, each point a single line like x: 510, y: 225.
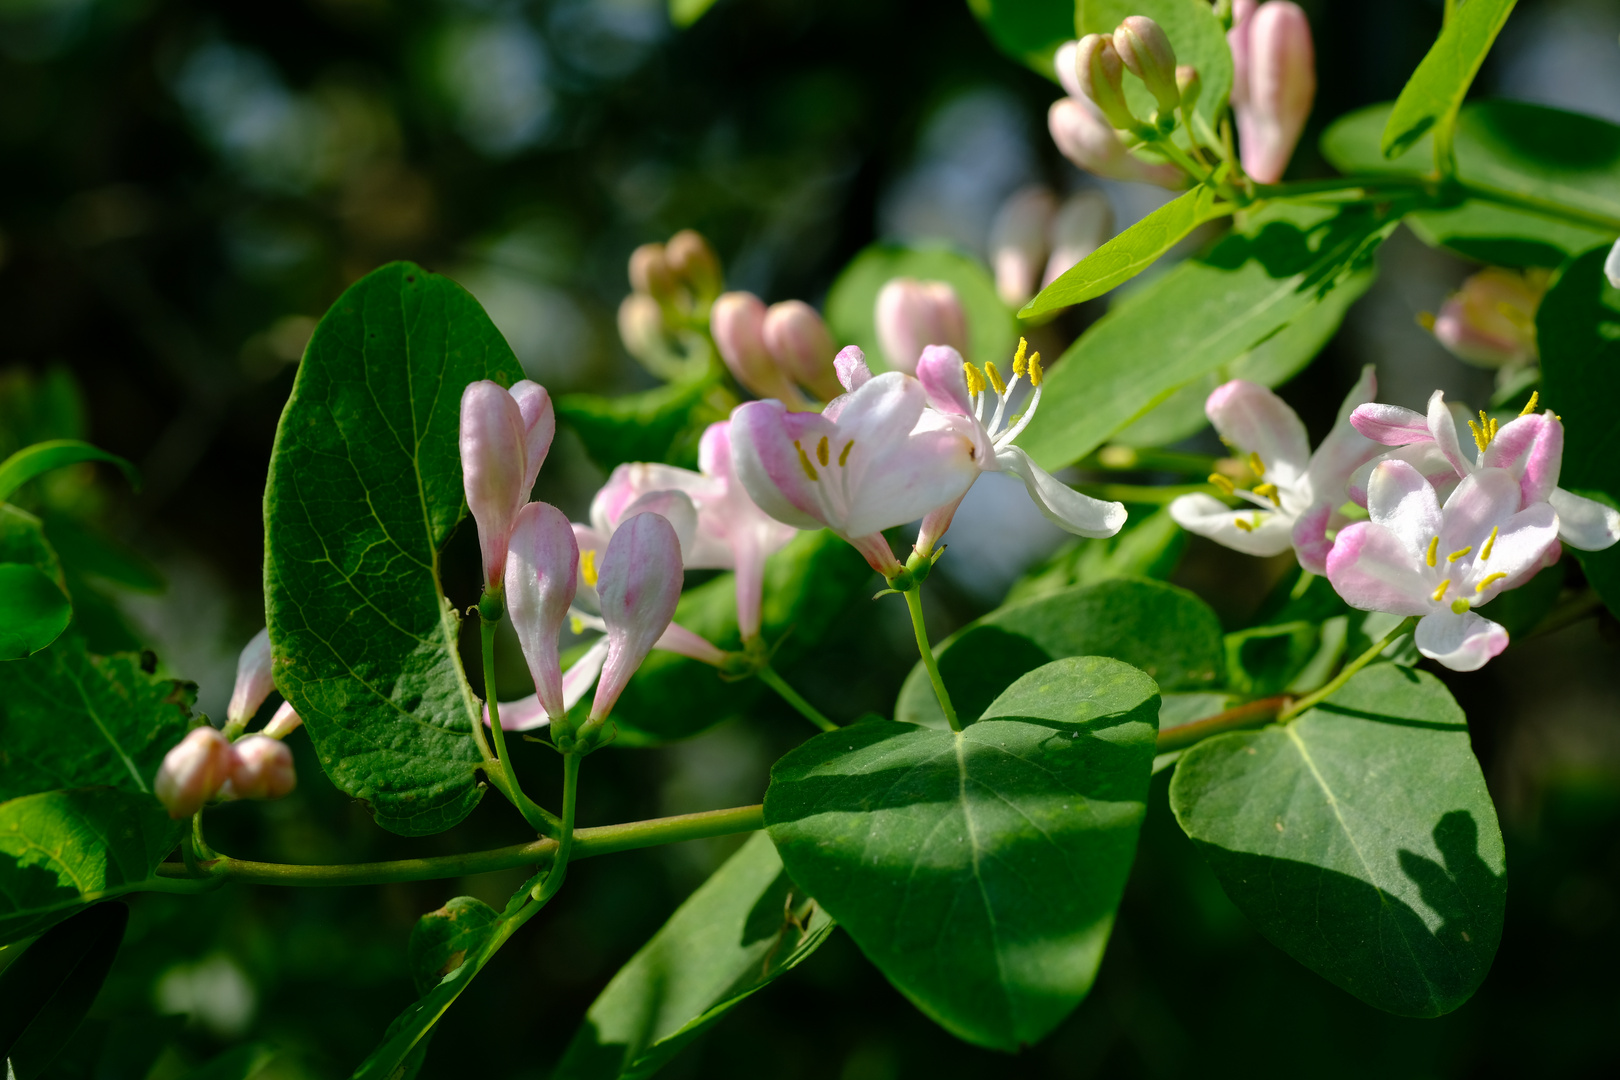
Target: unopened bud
x: 261, y: 768
x: 1146, y: 52
x: 1281, y: 86
x: 494, y: 461
x: 1237, y: 40
x: 737, y: 322
x: 802, y: 346
x: 691, y: 258
x: 912, y: 315
x: 1086, y: 139
x: 1102, y: 80
x: 284, y: 722
x: 651, y: 275
x: 253, y: 680
x: 1018, y: 243
x: 1190, y: 84
x: 193, y: 772
x: 641, y: 328
x: 1491, y: 320
x: 1083, y: 224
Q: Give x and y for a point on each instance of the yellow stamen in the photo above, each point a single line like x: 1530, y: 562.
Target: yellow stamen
x: 1455, y: 555
x: 1440, y: 593
x: 843, y: 457
x: 1244, y: 525
x: 975, y: 380
x: 1484, y: 431
x: 821, y: 451
x: 1530, y: 406
x: 1226, y: 486
x: 1460, y: 606
x: 1268, y: 491
x: 995, y: 377
x: 1490, y: 542
x: 1035, y: 369
x: 576, y: 624
x: 587, y: 569
x: 1019, y: 365
x: 1488, y: 580
x: 804, y: 459
x: 1256, y: 466
x: 1434, y: 548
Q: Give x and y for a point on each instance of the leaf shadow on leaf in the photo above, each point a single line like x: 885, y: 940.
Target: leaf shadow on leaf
x: 1537, y: 134
x: 1284, y: 250
x: 983, y: 662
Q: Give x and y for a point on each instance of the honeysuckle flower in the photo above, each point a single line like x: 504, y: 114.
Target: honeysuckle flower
x: 1296, y: 503
x: 1082, y: 225
x: 1146, y: 53
x: 1491, y: 320
x: 801, y: 346
x: 542, y: 570
x: 504, y: 439
x: 1417, y: 557
x: 283, y: 722
x: 959, y: 392
x: 1273, y: 84
x: 260, y: 768
x: 911, y: 314
x: 693, y: 261
x: 1085, y: 137
x: 1530, y: 447
x: 639, y: 586
x: 527, y: 714
x: 1018, y: 242
x: 1101, y: 76
x: 870, y: 460
x: 737, y: 322
x: 193, y: 771
x: 253, y: 679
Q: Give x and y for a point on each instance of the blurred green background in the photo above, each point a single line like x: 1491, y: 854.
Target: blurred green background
x: 185, y: 187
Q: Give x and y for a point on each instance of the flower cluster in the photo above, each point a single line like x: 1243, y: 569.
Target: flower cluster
x: 662, y: 319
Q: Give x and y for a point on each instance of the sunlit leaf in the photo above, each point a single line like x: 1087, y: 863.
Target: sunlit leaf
x: 1441, y: 80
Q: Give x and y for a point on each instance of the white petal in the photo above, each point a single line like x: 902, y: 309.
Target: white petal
x: 578, y: 678
x: 1461, y: 642
x: 1208, y: 516
x: 1065, y: 507
x: 1252, y: 418
x: 1401, y: 500
x: 1585, y: 523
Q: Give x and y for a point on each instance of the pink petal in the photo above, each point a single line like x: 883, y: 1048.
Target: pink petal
x: 1208, y: 516
x: 1585, y: 523
x: 1400, y: 499
x: 1425, y: 457
x: 283, y: 722
x: 1254, y: 420
x: 1443, y: 426
x: 678, y: 639
x: 1485, y: 499
x: 542, y: 574
x: 1532, y: 449
x: 1462, y: 642
x: 674, y: 507
x: 850, y: 364
x: 493, y: 464
x: 1373, y: 569
x: 539, y: 425
x: 1311, y: 545
x: 253, y: 679
x: 940, y: 370
x: 640, y: 585
x: 1390, y: 424
x: 1345, y: 449
x: 766, y: 461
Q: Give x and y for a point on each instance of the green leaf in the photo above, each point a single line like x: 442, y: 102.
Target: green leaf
x: 1130, y: 252
x: 62, y: 850
x: 1436, y: 89
x: 1197, y: 317
x: 40, y: 458
x: 1194, y: 32
x: 662, y: 424
x: 1359, y: 839
x: 1029, y: 31
x: 443, y: 938
x: 979, y: 870
x: 33, y: 610
x: 365, y: 488
x: 1578, y: 332
x: 240, y: 1063
x: 735, y: 935
x: 1164, y: 630
x: 684, y: 13
x: 87, y: 552
x: 1149, y: 546
x: 45, y: 994
x: 852, y: 301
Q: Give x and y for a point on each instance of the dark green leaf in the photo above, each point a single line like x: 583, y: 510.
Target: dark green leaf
x: 61, y: 850
x: 40, y: 458
x: 1029, y: 31
x: 1149, y: 545
x: 242, y: 1063
x: 365, y: 488
x: 443, y: 938
x: 33, y: 610
x: 1578, y: 331
x: 1199, y: 316
x: 735, y: 935
x: 1194, y: 32
x: 662, y: 424
x: 979, y: 871
x: 1166, y: 631
x: 852, y: 301
x: 45, y: 994
x: 1359, y: 839
x: 1436, y: 89
x: 88, y: 553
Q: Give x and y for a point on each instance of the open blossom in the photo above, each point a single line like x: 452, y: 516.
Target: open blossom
x: 1273, y: 83
x: 1530, y: 447
x: 958, y: 392
x: 1296, y: 503
x: 1417, y: 557
x: 505, y: 435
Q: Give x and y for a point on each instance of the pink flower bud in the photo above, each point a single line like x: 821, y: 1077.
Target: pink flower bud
x: 1085, y: 138
x: 542, y: 573
x: 912, y: 314
x: 1190, y: 85
x: 539, y: 426
x: 650, y: 273
x: 253, y: 681
x: 261, y: 768
x: 1237, y: 39
x: 641, y: 328
x: 1102, y: 80
x: 1065, y: 63
x: 193, y: 772
x: 737, y: 322
x: 1018, y: 238
x: 1281, y: 84
x: 639, y: 585
x: 494, y: 461
x: 1083, y: 224
x: 284, y: 722
x: 802, y: 346
x: 1146, y: 52
x: 691, y: 258
x: 1491, y: 320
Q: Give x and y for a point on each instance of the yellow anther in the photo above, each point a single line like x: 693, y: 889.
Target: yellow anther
x: 1035, y: 369
x: 843, y: 457
x: 821, y: 451
x: 1488, y: 580
x: 1484, y: 431
x: 1256, y: 466
x: 1268, y: 491
x: 1019, y: 365
x: 1434, y: 548
x: 804, y: 459
x: 1460, y: 606
x: 1530, y: 406
x: 576, y: 624
x: 587, y: 569
x: 975, y: 380
x: 995, y: 377
x: 1439, y: 594
x: 1244, y: 525
x: 1226, y: 486
x: 1490, y: 542
x: 1455, y: 555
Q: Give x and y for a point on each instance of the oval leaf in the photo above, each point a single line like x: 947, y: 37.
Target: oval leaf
x: 40, y: 458
x: 33, y: 610
x: 46, y: 992
x: 1441, y: 80
x: 1029, y: 31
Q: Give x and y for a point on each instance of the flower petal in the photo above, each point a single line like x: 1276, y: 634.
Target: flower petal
x: 1254, y: 419
x: 539, y: 426
x: 767, y: 463
x: 1373, y: 569
x: 582, y: 673
x: 493, y: 463
x: 850, y: 364
x: 678, y: 639
x: 1390, y: 424
x: 524, y: 714
x: 639, y: 588
x: 674, y: 507
x: 1584, y: 523
x: 941, y: 372
x: 1208, y: 516
x: 1462, y: 642
x: 542, y: 574
x: 1425, y: 457
x: 1532, y: 449
x: 1065, y: 507
x: 253, y: 679
x: 1443, y: 426
x: 1400, y: 499
x: 1311, y: 545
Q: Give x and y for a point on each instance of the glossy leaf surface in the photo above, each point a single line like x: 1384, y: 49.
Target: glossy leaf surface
x: 1437, y: 87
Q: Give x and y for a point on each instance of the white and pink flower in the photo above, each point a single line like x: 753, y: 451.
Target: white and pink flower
x: 505, y: 435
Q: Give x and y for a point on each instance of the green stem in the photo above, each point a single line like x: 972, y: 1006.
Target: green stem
x: 770, y: 678
x: 1361, y: 182
x: 1131, y: 459
x: 565, y: 843
x: 499, y: 767
x: 1544, y: 207
x: 913, y: 597
x: 199, y: 844
x: 587, y: 843
x: 1142, y: 493
x: 1350, y: 669
x: 1249, y: 714
x: 1179, y: 156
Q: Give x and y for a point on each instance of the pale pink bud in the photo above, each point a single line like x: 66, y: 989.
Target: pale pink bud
x: 193, y: 772
x: 913, y: 314
x: 539, y: 426
x: 261, y: 768
x: 802, y: 346
x: 253, y: 680
x: 1085, y: 138
x: 737, y: 322
x: 284, y: 722
x: 639, y: 586
x: 1146, y: 52
x: 689, y: 255
x: 1281, y: 87
x: 641, y: 328
x: 494, y: 461
x: 650, y: 273
x: 1083, y: 224
x: 1064, y: 62
x: 1237, y: 39
x: 542, y: 573
x: 1018, y: 239
x: 1102, y: 80
x: 1491, y: 320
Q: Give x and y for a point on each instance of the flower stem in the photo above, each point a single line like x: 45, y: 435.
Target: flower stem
x: 770, y: 678
x: 1249, y: 714
x: 1349, y: 669
x: 565, y: 842
x: 913, y: 597
x: 500, y: 770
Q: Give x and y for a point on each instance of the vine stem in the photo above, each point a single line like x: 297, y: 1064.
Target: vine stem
x: 565, y: 843
x: 1349, y: 669
x: 913, y: 597
x: 501, y: 773
x: 770, y: 678
x: 1249, y: 714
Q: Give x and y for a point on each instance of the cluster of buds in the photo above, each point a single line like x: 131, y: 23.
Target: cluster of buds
x: 1273, y: 83
x: 673, y: 286
x: 910, y: 315
x: 1491, y: 320
x: 775, y: 351
x: 1035, y: 239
